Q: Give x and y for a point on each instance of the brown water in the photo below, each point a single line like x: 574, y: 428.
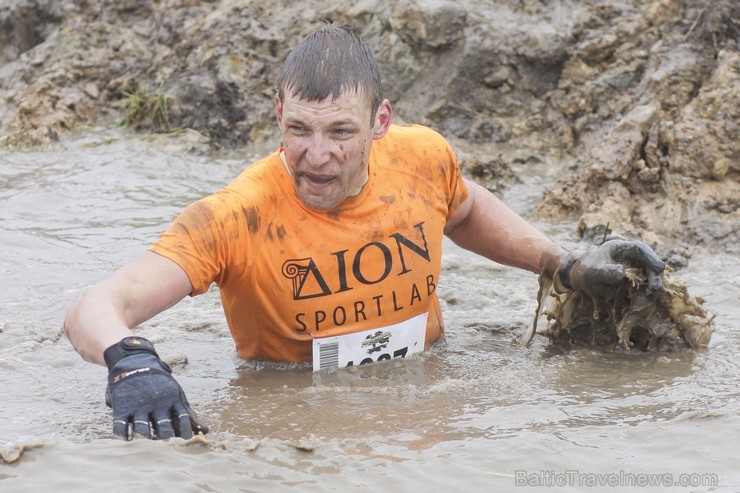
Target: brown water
x: 476, y: 413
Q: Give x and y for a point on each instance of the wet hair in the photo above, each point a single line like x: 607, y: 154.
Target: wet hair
x: 330, y: 61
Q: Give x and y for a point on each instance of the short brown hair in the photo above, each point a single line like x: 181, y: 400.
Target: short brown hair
x: 333, y: 59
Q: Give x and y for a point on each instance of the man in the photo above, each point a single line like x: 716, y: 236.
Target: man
x: 328, y: 250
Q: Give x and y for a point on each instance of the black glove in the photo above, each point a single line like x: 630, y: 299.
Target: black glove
x: 597, y: 268
x: 145, y: 398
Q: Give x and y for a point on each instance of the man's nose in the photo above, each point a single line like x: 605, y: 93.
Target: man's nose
x: 319, y: 151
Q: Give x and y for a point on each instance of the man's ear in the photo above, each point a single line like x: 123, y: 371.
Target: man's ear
x: 278, y: 110
x: 382, y: 119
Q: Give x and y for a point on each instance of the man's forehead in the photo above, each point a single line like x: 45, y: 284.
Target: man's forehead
x: 349, y: 102
x: 351, y: 94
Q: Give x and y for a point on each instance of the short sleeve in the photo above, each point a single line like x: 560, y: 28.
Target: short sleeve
x: 197, y: 240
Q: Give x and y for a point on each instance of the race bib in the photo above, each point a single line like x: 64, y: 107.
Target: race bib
x: 369, y: 346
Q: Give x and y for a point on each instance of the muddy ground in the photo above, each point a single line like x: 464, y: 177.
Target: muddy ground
x: 636, y: 101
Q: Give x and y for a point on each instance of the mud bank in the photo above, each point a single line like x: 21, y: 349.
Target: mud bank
x: 636, y: 101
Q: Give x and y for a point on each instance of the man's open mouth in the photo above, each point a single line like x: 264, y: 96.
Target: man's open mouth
x: 317, y: 181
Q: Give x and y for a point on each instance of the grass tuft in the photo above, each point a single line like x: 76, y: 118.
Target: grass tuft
x: 145, y: 110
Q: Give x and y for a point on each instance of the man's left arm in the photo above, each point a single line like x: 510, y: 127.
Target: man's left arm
x: 487, y: 226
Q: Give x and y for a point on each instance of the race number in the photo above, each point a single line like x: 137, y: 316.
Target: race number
x: 370, y: 346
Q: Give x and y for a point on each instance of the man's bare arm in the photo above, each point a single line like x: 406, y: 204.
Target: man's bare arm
x: 105, y: 314
x: 485, y: 225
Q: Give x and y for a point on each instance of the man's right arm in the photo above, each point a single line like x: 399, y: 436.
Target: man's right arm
x: 105, y: 314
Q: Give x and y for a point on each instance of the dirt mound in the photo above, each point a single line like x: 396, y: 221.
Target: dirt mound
x: 637, y: 101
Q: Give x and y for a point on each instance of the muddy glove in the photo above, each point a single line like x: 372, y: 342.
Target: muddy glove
x: 598, y: 268
x: 145, y: 398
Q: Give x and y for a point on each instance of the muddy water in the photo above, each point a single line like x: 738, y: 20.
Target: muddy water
x: 476, y: 413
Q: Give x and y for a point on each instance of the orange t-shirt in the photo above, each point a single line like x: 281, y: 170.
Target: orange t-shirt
x: 288, y: 274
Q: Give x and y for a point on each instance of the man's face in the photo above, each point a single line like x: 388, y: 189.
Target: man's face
x: 327, y: 145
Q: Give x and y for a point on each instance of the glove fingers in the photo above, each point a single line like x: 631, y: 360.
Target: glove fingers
x: 639, y: 254
x: 122, y: 428
x: 141, y: 425
x: 181, y: 420
x: 196, y: 425
x: 163, y: 425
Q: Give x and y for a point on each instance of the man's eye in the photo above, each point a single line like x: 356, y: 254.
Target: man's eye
x: 342, y: 132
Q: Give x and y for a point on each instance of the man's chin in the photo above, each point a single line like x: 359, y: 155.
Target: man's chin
x: 318, y: 202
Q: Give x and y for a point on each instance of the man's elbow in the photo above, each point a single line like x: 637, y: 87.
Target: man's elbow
x: 69, y: 323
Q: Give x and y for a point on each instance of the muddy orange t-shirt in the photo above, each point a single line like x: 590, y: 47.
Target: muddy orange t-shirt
x: 289, y: 274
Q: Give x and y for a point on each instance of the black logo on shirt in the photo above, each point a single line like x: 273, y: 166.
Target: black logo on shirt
x: 309, y: 282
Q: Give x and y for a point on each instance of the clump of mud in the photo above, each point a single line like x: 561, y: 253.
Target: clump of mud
x: 631, y: 314
x: 12, y: 452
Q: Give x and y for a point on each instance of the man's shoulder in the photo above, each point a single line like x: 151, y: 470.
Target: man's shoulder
x: 257, y: 184
x: 412, y: 143
x: 260, y: 177
x: 414, y: 132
